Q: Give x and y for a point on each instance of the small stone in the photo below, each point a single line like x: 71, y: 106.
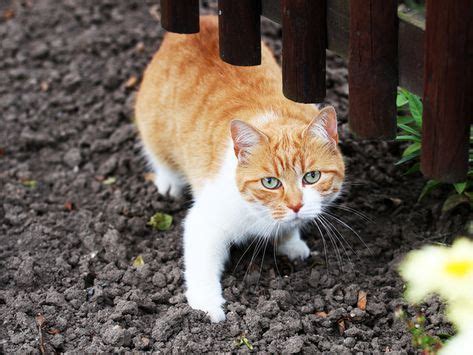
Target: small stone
x: 293, y: 345
x: 73, y: 157
x: 319, y: 303
x: 349, y: 342
x: 117, y: 336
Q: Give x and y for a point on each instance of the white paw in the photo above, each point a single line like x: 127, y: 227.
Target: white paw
x: 294, y: 249
x: 167, y: 187
x: 210, y: 305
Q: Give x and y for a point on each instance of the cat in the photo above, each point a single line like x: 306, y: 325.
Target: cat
x: 258, y: 164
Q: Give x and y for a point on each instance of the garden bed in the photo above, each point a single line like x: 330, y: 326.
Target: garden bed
x: 75, y: 201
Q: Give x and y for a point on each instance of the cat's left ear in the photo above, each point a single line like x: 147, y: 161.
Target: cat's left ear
x: 325, y: 124
x: 245, y: 137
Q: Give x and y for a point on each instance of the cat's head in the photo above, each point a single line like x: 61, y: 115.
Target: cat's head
x: 289, y: 170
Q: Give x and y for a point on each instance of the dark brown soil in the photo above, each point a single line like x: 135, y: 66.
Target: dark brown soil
x: 67, y: 244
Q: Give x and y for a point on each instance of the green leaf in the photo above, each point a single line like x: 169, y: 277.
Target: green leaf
x: 460, y: 187
x: 404, y: 120
x: 413, y: 169
x: 412, y: 149
x: 401, y: 99
x: 138, y: 262
x: 408, y: 138
x: 409, y: 129
x: 428, y: 187
x: 415, y: 106
x: 453, y: 201
x: 244, y: 340
x: 160, y: 221
x: 32, y: 184
x: 110, y: 180
x: 406, y: 159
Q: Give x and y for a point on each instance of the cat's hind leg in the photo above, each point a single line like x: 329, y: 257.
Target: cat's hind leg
x: 293, y: 246
x: 167, y: 181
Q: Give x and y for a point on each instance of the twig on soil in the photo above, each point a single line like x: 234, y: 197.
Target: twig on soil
x: 40, y: 322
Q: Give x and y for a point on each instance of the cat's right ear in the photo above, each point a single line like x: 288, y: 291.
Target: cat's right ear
x: 245, y: 137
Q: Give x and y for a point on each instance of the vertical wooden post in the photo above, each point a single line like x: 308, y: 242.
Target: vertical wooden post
x: 373, y: 68
x: 448, y: 89
x: 180, y: 16
x: 240, y: 31
x: 304, y: 41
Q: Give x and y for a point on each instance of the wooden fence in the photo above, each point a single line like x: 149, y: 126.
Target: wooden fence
x: 384, y: 50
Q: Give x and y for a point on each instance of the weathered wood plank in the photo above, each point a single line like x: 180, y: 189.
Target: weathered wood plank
x: 373, y: 68
x: 448, y: 89
x: 411, y: 60
x: 304, y: 33
x: 180, y: 16
x: 239, y: 24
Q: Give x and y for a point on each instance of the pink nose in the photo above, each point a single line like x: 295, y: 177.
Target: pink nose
x: 295, y: 208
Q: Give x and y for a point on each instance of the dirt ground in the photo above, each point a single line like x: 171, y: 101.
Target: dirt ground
x: 74, y: 205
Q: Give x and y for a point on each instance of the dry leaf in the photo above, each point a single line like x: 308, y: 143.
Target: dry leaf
x: 150, y: 176
x: 153, y: 11
x: 44, y: 86
x: 341, y: 326
x: 40, y: 320
x: 131, y: 82
x: 8, y: 14
x: 54, y: 331
x: 68, y: 206
x: 140, y: 47
x: 362, y: 300
x: 321, y: 314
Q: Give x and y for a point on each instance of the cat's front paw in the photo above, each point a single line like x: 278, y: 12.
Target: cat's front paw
x: 294, y: 249
x: 210, y: 305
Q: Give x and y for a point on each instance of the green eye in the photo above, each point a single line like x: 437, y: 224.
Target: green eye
x: 271, y: 183
x: 311, y: 177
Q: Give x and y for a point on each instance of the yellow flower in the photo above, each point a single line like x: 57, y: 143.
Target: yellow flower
x: 461, y: 344
x: 440, y: 269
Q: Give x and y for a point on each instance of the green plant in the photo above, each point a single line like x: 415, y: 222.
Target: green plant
x: 409, y: 122
x: 421, y: 339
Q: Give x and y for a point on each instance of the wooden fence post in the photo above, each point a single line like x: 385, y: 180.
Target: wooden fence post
x: 304, y: 41
x: 239, y: 31
x: 180, y: 16
x: 373, y: 68
x: 448, y: 90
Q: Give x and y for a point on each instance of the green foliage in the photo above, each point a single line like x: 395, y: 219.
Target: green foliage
x: 421, y: 340
x: 160, y: 221
x: 409, y: 122
x: 244, y: 341
x: 32, y: 184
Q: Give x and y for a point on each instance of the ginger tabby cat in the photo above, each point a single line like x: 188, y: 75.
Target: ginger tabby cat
x: 258, y: 164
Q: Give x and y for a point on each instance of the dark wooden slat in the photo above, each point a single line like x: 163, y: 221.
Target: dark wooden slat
x: 448, y: 90
x: 373, y: 68
x: 411, y: 55
x: 180, y: 16
x: 239, y: 24
x: 304, y: 40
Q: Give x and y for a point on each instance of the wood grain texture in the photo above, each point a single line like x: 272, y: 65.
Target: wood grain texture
x: 304, y: 41
x: 448, y: 89
x: 239, y: 24
x: 373, y: 68
x: 411, y: 39
x: 180, y: 16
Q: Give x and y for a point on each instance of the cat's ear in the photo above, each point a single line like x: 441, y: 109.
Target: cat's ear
x: 325, y: 124
x: 245, y: 137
